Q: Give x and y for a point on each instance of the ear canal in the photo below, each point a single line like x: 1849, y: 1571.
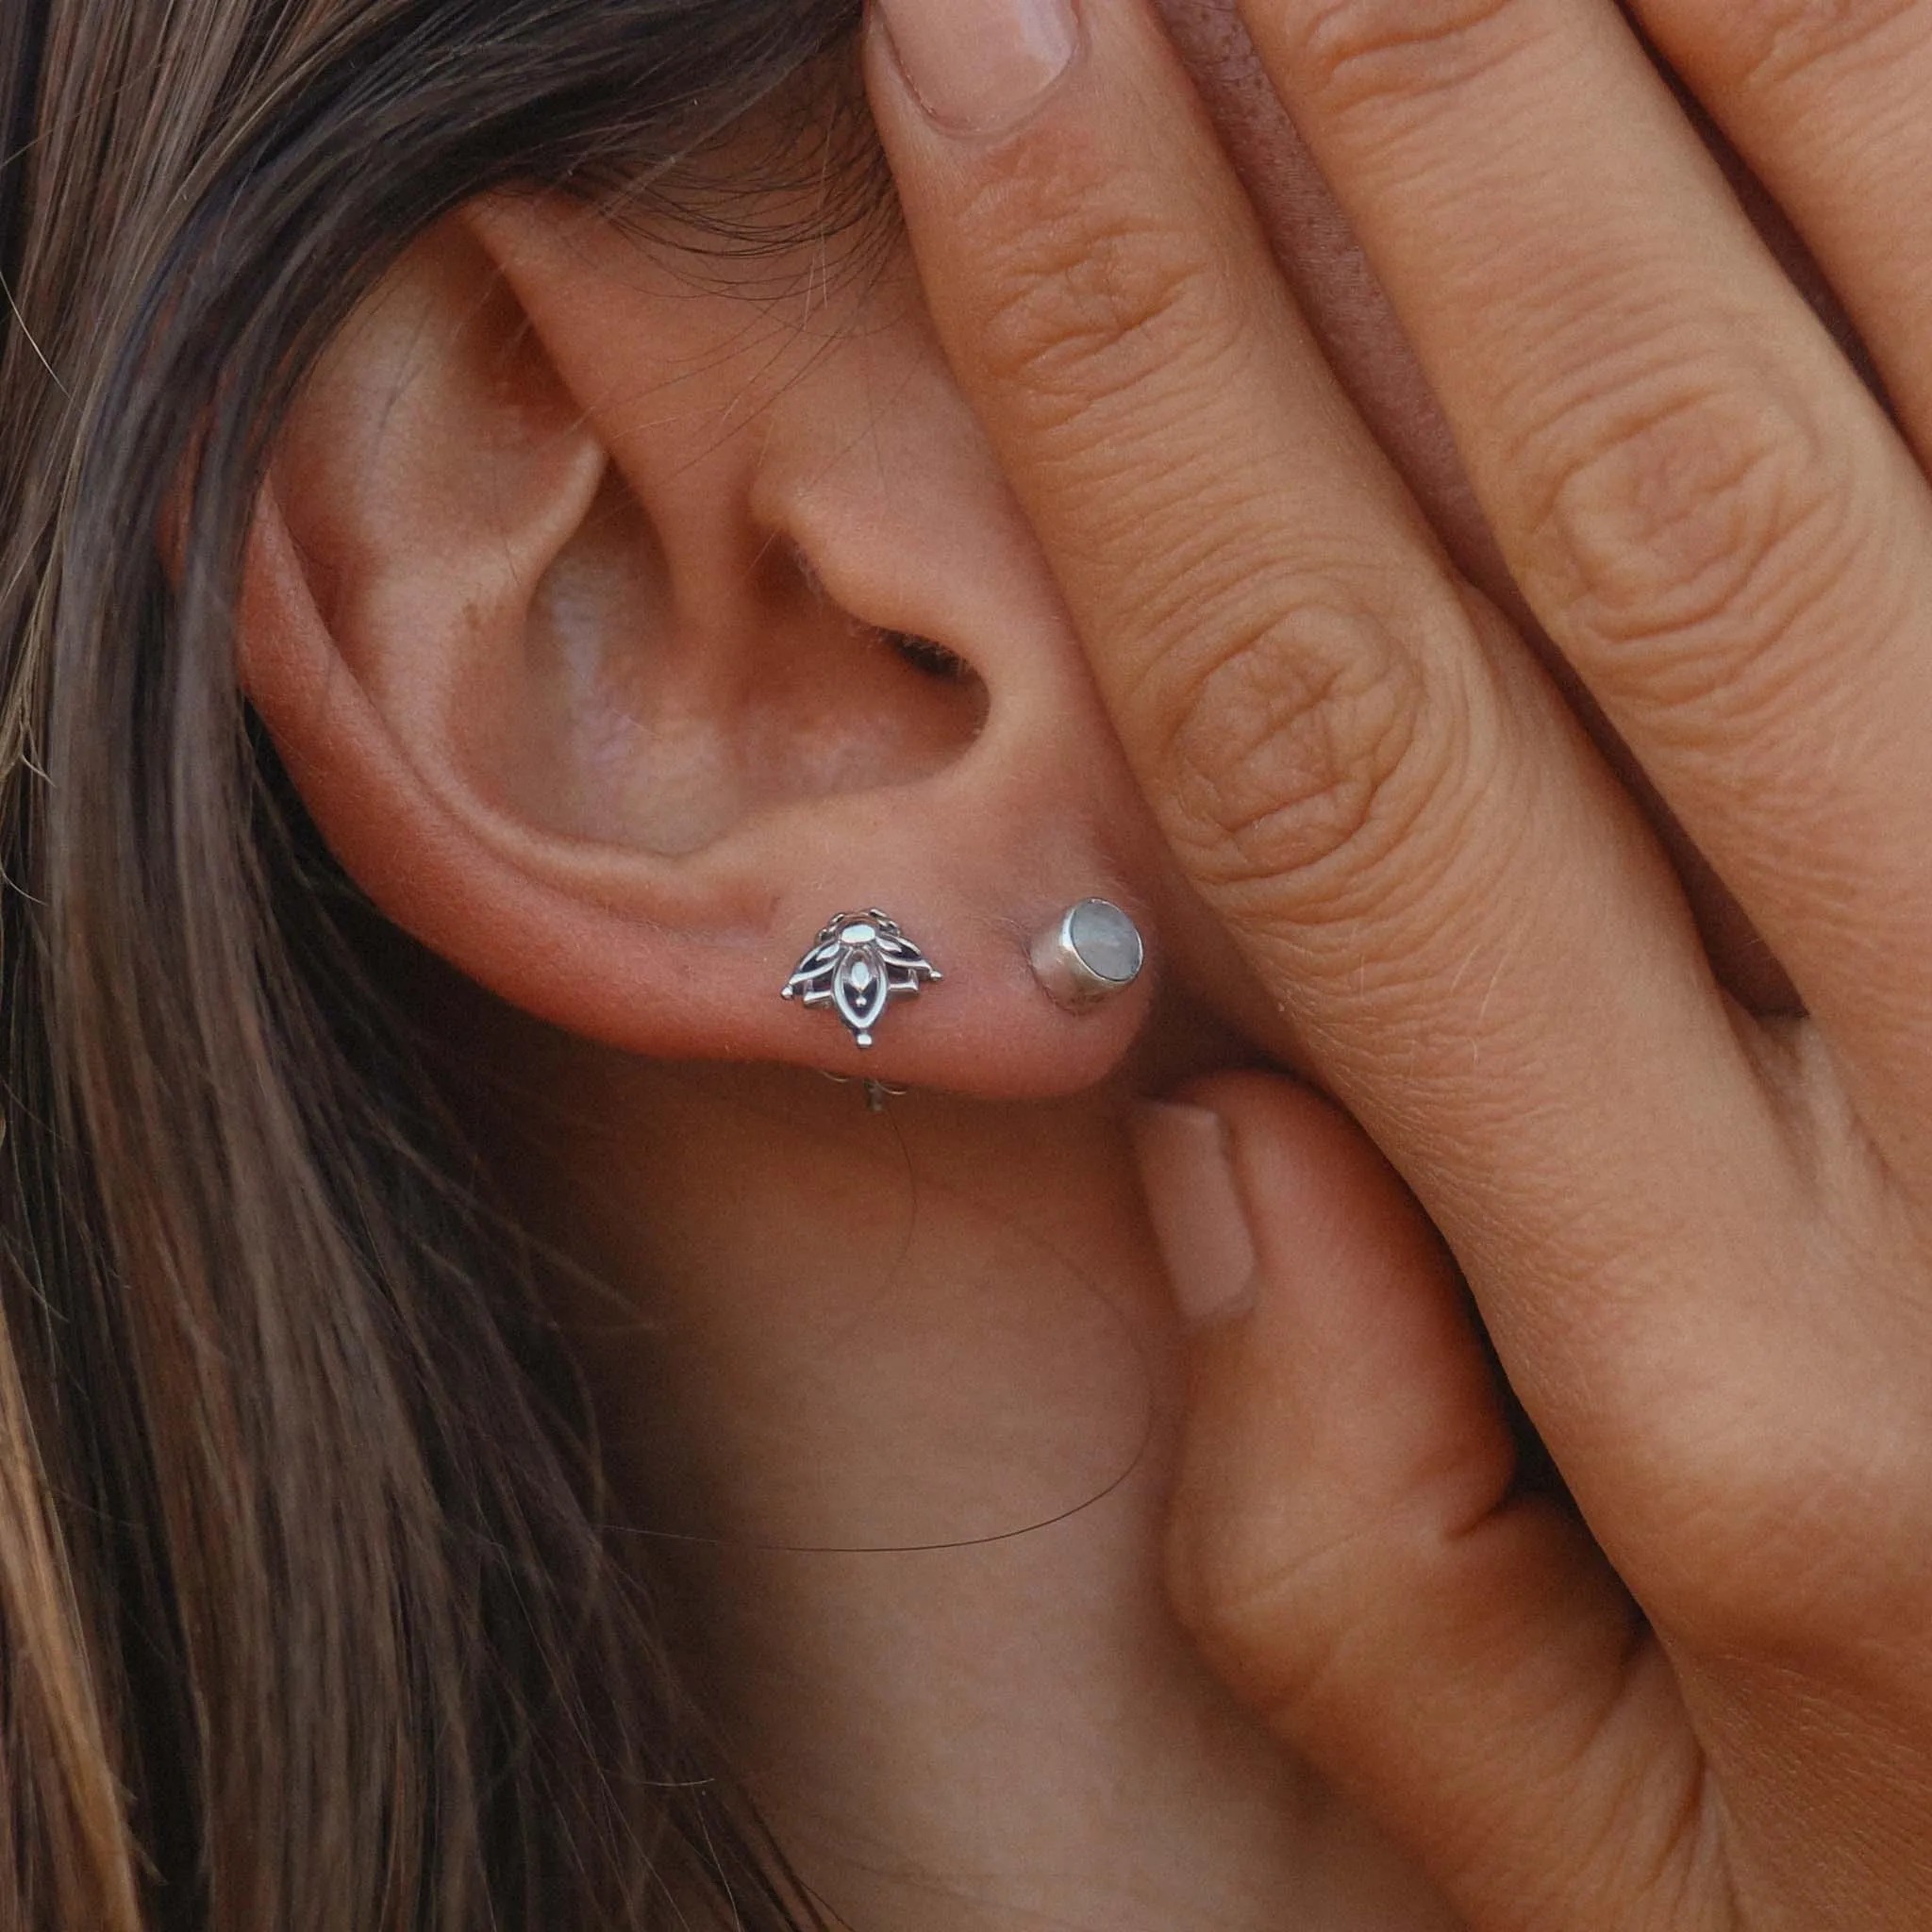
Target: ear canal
x: 672, y: 697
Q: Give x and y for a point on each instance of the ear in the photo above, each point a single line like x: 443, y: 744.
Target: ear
x: 622, y: 620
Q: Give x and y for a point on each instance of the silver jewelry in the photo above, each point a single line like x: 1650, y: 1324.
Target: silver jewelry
x: 877, y: 1095
x: 1091, y: 952
x: 858, y: 965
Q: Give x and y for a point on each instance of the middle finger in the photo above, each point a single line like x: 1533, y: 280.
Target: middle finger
x: 1708, y: 511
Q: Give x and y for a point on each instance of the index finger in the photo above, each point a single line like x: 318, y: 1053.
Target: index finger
x: 1364, y: 774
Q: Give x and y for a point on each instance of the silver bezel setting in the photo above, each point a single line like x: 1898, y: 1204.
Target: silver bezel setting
x: 1071, y: 977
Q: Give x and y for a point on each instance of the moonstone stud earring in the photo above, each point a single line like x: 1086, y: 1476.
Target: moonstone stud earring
x: 1091, y: 952
x: 857, y: 966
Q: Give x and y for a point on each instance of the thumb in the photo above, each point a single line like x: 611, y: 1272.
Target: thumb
x: 1350, y: 1548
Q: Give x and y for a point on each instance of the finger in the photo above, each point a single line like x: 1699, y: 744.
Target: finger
x: 1708, y: 511
x: 1347, y: 1544
x: 1464, y: 920
x: 1828, y: 105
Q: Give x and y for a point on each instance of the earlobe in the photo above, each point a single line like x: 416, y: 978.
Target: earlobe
x: 619, y: 632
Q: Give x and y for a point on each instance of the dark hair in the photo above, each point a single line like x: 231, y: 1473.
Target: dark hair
x: 308, y: 1614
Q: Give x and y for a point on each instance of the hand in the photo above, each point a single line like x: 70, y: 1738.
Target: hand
x: 1702, y: 1241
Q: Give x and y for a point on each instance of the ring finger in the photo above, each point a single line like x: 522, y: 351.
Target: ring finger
x: 1828, y: 105
x: 1710, y: 514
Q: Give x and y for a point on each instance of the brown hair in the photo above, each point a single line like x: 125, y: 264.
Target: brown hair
x: 307, y: 1616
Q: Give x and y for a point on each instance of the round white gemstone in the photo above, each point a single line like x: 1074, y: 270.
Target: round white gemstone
x: 1106, y: 940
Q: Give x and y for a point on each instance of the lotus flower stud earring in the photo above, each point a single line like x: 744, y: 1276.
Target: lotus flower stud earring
x: 857, y: 966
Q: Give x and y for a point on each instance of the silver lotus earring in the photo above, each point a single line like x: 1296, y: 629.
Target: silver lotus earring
x: 857, y: 966
x: 1090, y: 953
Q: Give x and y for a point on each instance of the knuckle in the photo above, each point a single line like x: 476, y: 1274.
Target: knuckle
x: 1687, y: 528
x: 1266, y: 1613
x: 1784, y: 1544
x: 1299, y: 753
x: 1357, y: 52
x: 1765, y: 46
x: 1084, y: 311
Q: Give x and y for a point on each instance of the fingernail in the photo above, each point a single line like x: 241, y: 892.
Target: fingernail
x: 978, y: 65
x: 1195, y: 1202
